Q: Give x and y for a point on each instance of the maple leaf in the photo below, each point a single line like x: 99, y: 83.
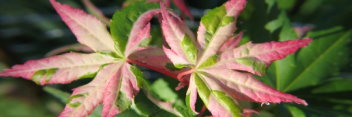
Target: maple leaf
x: 116, y: 82
x: 220, y: 72
x: 218, y: 80
x: 92, y: 9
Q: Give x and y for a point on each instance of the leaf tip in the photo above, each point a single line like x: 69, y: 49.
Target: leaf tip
x: 235, y: 6
x: 299, y: 101
x: 303, y: 102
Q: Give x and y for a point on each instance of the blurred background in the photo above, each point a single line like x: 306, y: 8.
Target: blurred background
x: 29, y: 29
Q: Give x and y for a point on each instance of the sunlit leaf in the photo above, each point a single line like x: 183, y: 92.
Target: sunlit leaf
x: 87, y: 28
x: 60, y: 69
x: 116, y: 82
x: 218, y: 86
x: 131, y: 25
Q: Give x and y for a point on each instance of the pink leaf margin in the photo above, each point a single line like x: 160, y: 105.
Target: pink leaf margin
x: 244, y: 86
x: 88, y: 29
x: 92, y: 93
x: 264, y: 52
x: 70, y: 67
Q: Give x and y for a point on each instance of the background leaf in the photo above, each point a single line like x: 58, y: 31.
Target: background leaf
x: 322, y: 58
x: 295, y: 112
x: 61, y: 95
x: 335, y: 85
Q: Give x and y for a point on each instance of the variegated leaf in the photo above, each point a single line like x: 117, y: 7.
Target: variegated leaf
x: 60, y: 69
x: 120, y: 92
x: 213, y: 76
x: 87, y: 28
x: 231, y: 43
x: 217, y: 26
x: 255, y: 58
x: 217, y: 101
x: 140, y: 31
x: 220, y: 89
x: 85, y: 98
x: 191, y: 95
x: 245, y: 87
x: 182, y: 49
x: 131, y: 25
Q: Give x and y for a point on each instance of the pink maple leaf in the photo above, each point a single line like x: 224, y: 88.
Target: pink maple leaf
x: 220, y: 71
x: 116, y: 81
x: 216, y: 69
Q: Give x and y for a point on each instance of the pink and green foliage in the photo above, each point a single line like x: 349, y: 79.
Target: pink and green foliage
x: 116, y: 82
x: 220, y: 73
x: 213, y: 64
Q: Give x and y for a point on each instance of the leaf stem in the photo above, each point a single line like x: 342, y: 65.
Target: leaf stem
x: 180, y: 75
x: 153, y: 68
x: 183, y: 82
x: 204, y: 108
